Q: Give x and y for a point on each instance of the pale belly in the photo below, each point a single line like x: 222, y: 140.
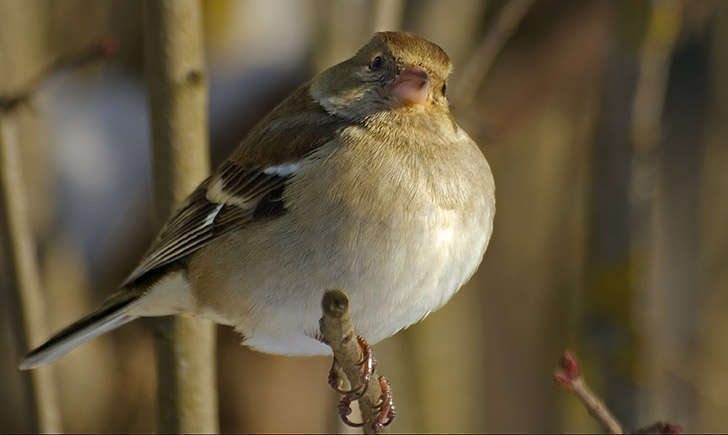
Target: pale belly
x: 394, y: 277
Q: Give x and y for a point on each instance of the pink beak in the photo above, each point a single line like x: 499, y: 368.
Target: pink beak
x: 411, y: 86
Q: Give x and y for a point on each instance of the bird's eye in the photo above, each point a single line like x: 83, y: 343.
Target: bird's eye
x: 376, y: 63
x: 444, y: 88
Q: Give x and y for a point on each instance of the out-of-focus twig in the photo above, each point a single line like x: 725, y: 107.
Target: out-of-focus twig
x: 387, y: 14
x: 25, y: 294
x: 654, y: 216
x: 177, y: 95
x: 490, y: 46
x: 18, y: 243
x: 375, y: 403
x: 101, y: 49
x: 648, y: 104
x: 662, y: 32
x: 568, y: 376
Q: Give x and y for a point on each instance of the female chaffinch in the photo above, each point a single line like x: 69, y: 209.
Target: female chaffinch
x: 361, y: 180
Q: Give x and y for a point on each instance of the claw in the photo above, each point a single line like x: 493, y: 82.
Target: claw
x: 345, y: 411
x: 386, y: 406
x: 367, y: 360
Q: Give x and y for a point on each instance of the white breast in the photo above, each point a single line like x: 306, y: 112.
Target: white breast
x: 396, y: 264
x: 391, y: 283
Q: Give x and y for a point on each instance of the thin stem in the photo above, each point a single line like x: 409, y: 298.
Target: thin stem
x: 338, y: 331
x: 26, y: 297
x: 178, y: 107
x: 596, y: 407
x: 99, y: 50
x: 387, y: 14
x: 490, y: 46
x: 568, y: 375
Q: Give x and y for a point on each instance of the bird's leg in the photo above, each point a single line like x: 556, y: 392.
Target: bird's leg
x: 386, y: 406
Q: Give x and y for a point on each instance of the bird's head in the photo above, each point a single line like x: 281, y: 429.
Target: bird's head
x: 393, y: 71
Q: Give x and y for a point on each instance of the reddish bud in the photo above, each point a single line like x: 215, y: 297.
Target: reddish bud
x: 562, y: 379
x: 567, y: 371
x: 569, y: 365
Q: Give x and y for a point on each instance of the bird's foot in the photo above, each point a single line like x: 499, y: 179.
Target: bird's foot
x: 386, y: 406
x: 345, y: 410
x: 368, y: 364
x: 367, y: 361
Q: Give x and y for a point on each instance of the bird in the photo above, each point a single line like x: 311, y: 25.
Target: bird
x: 361, y: 179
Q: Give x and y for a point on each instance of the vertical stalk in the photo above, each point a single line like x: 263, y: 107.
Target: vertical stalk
x: 177, y: 93
x: 25, y: 295
x: 664, y: 169
x: 712, y: 355
x: 388, y: 15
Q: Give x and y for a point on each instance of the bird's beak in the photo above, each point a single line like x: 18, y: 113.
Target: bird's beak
x: 412, y: 86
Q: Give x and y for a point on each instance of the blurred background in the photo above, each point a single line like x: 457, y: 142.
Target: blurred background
x: 606, y: 126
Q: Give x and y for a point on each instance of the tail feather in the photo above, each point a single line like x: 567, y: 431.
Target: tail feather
x: 108, y: 317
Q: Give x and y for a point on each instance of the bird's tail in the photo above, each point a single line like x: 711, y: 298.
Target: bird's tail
x: 110, y: 316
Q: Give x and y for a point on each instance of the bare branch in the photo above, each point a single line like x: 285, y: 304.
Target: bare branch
x: 375, y: 403
x: 490, y: 46
x: 387, y: 14
x: 26, y: 296
x: 101, y: 49
x: 649, y: 100
x: 178, y: 107
x: 567, y: 375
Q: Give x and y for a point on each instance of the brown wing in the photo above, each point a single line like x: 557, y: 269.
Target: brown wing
x: 246, y: 187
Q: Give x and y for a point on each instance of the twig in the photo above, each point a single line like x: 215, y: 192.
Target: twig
x: 656, y: 217
x: 567, y: 375
x: 102, y: 49
x: 490, y: 46
x: 177, y: 94
x: 648, y: 104
x: 26, y: 298
x: 338, y: 331
x: 387, y: 14
x: 649, y: 100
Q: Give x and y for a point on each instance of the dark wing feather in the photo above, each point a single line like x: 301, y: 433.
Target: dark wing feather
x: 184, y: 232
x: 241, y: 190
x: 198, y: 220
